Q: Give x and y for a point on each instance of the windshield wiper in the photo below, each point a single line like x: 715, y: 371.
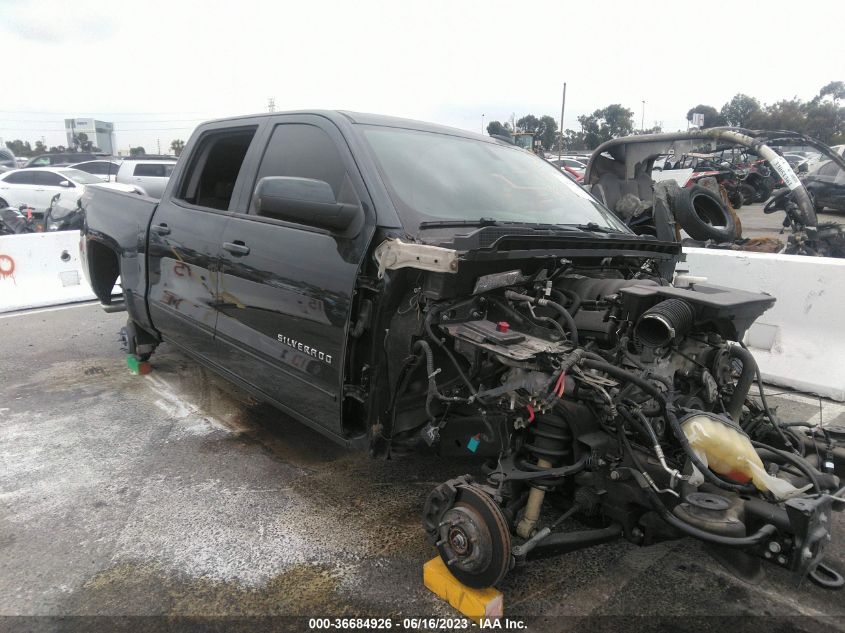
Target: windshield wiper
x: 593, y: 227
x: 439, y: 224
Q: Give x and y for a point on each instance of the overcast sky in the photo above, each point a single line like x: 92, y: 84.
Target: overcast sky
x: 158, y: 68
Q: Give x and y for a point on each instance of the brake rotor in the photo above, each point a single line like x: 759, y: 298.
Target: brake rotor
x: 473, y: 539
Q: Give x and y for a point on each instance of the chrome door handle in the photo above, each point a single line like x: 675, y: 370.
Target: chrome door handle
x: 236, y: 248
x: 161, y: 229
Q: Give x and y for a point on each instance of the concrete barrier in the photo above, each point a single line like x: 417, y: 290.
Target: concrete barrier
x: 800, y: 342
x: 41, y: 269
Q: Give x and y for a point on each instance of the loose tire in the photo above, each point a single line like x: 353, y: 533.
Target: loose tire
x: 703, y: 215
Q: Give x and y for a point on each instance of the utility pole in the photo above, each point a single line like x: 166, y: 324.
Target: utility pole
x: 271, y: 105
x: 482, y: 123
x: 642, y: 122
x: 560, y: 142
x: 158, y: 146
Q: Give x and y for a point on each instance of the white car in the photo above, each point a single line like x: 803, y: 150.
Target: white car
x: 36, y: 186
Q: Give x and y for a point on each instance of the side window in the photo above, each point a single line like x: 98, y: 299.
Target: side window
x: 48, y: 179
x: 305, y: 151
x: 22, y: 178
x: 41, y: 162
x: 210, y: 178
x: 154, y: 170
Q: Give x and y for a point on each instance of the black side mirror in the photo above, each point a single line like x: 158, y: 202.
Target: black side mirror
x: 304, y: 201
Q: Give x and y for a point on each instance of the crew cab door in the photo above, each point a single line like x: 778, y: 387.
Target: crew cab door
x: 185, y: 240
x: 286, y: 288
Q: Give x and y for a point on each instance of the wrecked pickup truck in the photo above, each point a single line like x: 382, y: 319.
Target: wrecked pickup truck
x: 402, y: 286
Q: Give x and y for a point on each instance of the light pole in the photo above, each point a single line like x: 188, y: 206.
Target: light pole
x: 642, y: 122
x: 560, y: 142
x: 482, y: 123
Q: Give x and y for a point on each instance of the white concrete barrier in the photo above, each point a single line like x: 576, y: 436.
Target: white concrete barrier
x: 800, y: 341
x: 41, y: 269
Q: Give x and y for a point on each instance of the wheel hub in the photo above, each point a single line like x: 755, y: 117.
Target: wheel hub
x: 467, y: 541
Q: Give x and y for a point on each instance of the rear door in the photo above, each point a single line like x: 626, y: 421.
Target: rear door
x: 185, y: 239
x: 286, y: 288
x: 19, y: 188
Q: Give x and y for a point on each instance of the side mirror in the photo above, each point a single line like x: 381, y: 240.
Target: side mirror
x: 64, y: 183
x: 304, y: 201
x: 803, y: 169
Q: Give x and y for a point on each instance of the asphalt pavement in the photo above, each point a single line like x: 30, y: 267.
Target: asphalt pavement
x: 177, y: 494
x: 755, y: 223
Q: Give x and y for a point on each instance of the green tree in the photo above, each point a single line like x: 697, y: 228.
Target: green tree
x: 137, y: 151
x: 573, y: 140
x: 547, y: 132
x: 740, y: 110
x: 496, y: 128
x: 712, y: 118
x: 607, y: 123
x: 787, y: 114
x: 20, y: 148
x: 825, y: 121
x: 528, y: 123
x: 57, y: 149
x: 177, y: 145
x: 39, y: 149
x: 835, y: 90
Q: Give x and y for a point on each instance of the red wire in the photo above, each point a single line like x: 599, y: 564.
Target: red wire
x: 530, y: 413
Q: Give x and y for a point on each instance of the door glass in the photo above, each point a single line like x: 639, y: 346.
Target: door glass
x: 210, y: 179
x: 48, y: 178
x: 305, y: 151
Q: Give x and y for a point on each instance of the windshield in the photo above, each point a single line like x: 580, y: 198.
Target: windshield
x: 80, y: 177
x: 433, y: 177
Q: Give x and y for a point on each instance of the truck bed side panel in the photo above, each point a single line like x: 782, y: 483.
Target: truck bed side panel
x: 119, y: 222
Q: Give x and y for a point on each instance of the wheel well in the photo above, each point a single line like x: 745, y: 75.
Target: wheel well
x: 104, y: 269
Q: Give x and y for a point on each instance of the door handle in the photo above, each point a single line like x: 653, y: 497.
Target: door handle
x: 161, y: 229
x: 236, y: 248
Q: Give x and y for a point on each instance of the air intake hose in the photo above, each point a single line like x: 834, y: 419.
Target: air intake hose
x: 661, y: 323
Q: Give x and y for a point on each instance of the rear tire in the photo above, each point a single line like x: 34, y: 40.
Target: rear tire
x: 3, y: 204
x: 762, y: 190
x: 747, y: 192
x: 703, y: 215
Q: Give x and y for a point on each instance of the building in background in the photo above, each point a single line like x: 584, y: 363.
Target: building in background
x: 99, y: 133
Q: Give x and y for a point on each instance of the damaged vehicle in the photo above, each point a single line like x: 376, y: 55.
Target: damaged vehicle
x: 402, y: 286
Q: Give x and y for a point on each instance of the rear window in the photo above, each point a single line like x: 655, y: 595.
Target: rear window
x: 79, y: 177
x: 153, y: 170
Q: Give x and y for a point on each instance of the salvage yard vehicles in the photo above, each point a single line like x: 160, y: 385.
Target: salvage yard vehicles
x: 401, y: 286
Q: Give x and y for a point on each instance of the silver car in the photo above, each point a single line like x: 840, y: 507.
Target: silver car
x: 148, y: 176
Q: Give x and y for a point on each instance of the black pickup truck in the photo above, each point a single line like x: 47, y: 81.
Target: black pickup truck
x: 397, y: 285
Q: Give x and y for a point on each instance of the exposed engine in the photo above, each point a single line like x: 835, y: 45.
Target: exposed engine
x: 606, y: 395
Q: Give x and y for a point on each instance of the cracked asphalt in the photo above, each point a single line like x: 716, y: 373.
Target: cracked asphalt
x: 177, y: 494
